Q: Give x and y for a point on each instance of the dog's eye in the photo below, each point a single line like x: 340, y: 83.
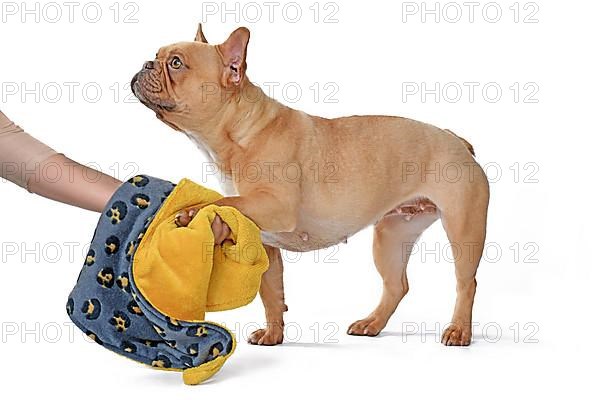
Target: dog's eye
x: 175, y: 63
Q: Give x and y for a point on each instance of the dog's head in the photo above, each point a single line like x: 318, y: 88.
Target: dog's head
x: 189, y: 82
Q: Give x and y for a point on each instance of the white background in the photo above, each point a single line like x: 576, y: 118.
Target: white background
x: 539, y: 293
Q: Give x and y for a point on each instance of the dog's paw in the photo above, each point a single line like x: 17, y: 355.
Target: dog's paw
x: 370, y: 326
x: 454, y: 335
x: 267, y: 337
x: 184, y: 217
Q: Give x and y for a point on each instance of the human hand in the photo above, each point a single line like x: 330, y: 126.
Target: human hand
x: 221, y: 230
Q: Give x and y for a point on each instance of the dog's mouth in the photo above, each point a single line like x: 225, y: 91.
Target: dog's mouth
x: 158, y: 106
x: 154, y: 103
x: 135, y: 86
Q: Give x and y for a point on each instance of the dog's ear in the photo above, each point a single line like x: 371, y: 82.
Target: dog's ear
x: 200, y: 35
x: 233, y: 54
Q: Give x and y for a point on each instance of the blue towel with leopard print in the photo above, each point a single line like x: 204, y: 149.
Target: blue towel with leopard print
x: 109, y: 308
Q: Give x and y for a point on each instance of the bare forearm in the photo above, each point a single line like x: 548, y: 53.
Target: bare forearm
x: 62, y: 179
x: 31, y: 164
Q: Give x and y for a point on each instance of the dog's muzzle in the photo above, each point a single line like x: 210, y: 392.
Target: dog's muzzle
x: 148, y: 65
x: 146, y: 85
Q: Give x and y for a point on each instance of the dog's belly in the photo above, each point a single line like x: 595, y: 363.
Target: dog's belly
x: 317, y: 231
x: 301, y: 241
x: 318, y: 235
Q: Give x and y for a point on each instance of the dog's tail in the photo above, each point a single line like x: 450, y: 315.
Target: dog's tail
x: 468, y: 145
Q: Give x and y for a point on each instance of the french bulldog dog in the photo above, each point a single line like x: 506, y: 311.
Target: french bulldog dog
x: 310, y: 182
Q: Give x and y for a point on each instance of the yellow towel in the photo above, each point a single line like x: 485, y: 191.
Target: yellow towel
x: 182, y: 273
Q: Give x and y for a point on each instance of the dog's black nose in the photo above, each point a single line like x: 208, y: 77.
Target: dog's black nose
x: 149, y: 65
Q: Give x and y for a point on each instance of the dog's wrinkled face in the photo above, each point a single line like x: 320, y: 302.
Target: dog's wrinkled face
x: 188, y: 82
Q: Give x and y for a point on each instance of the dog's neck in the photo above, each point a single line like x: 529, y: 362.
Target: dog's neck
x: 242, y: 117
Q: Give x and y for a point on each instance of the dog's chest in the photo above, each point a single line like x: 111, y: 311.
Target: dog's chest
x: 226, y: 182
x: 227, y: 186
x: 313, y: 234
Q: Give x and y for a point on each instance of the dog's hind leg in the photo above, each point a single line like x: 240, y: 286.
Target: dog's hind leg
x: 464, y: 220
x: 393, y: 241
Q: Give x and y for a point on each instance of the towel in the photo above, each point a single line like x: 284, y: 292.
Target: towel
x: 146, y: 284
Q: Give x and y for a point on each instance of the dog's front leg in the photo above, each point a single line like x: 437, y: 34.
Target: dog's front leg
x: 271, y: 212
x: 272, y: 296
